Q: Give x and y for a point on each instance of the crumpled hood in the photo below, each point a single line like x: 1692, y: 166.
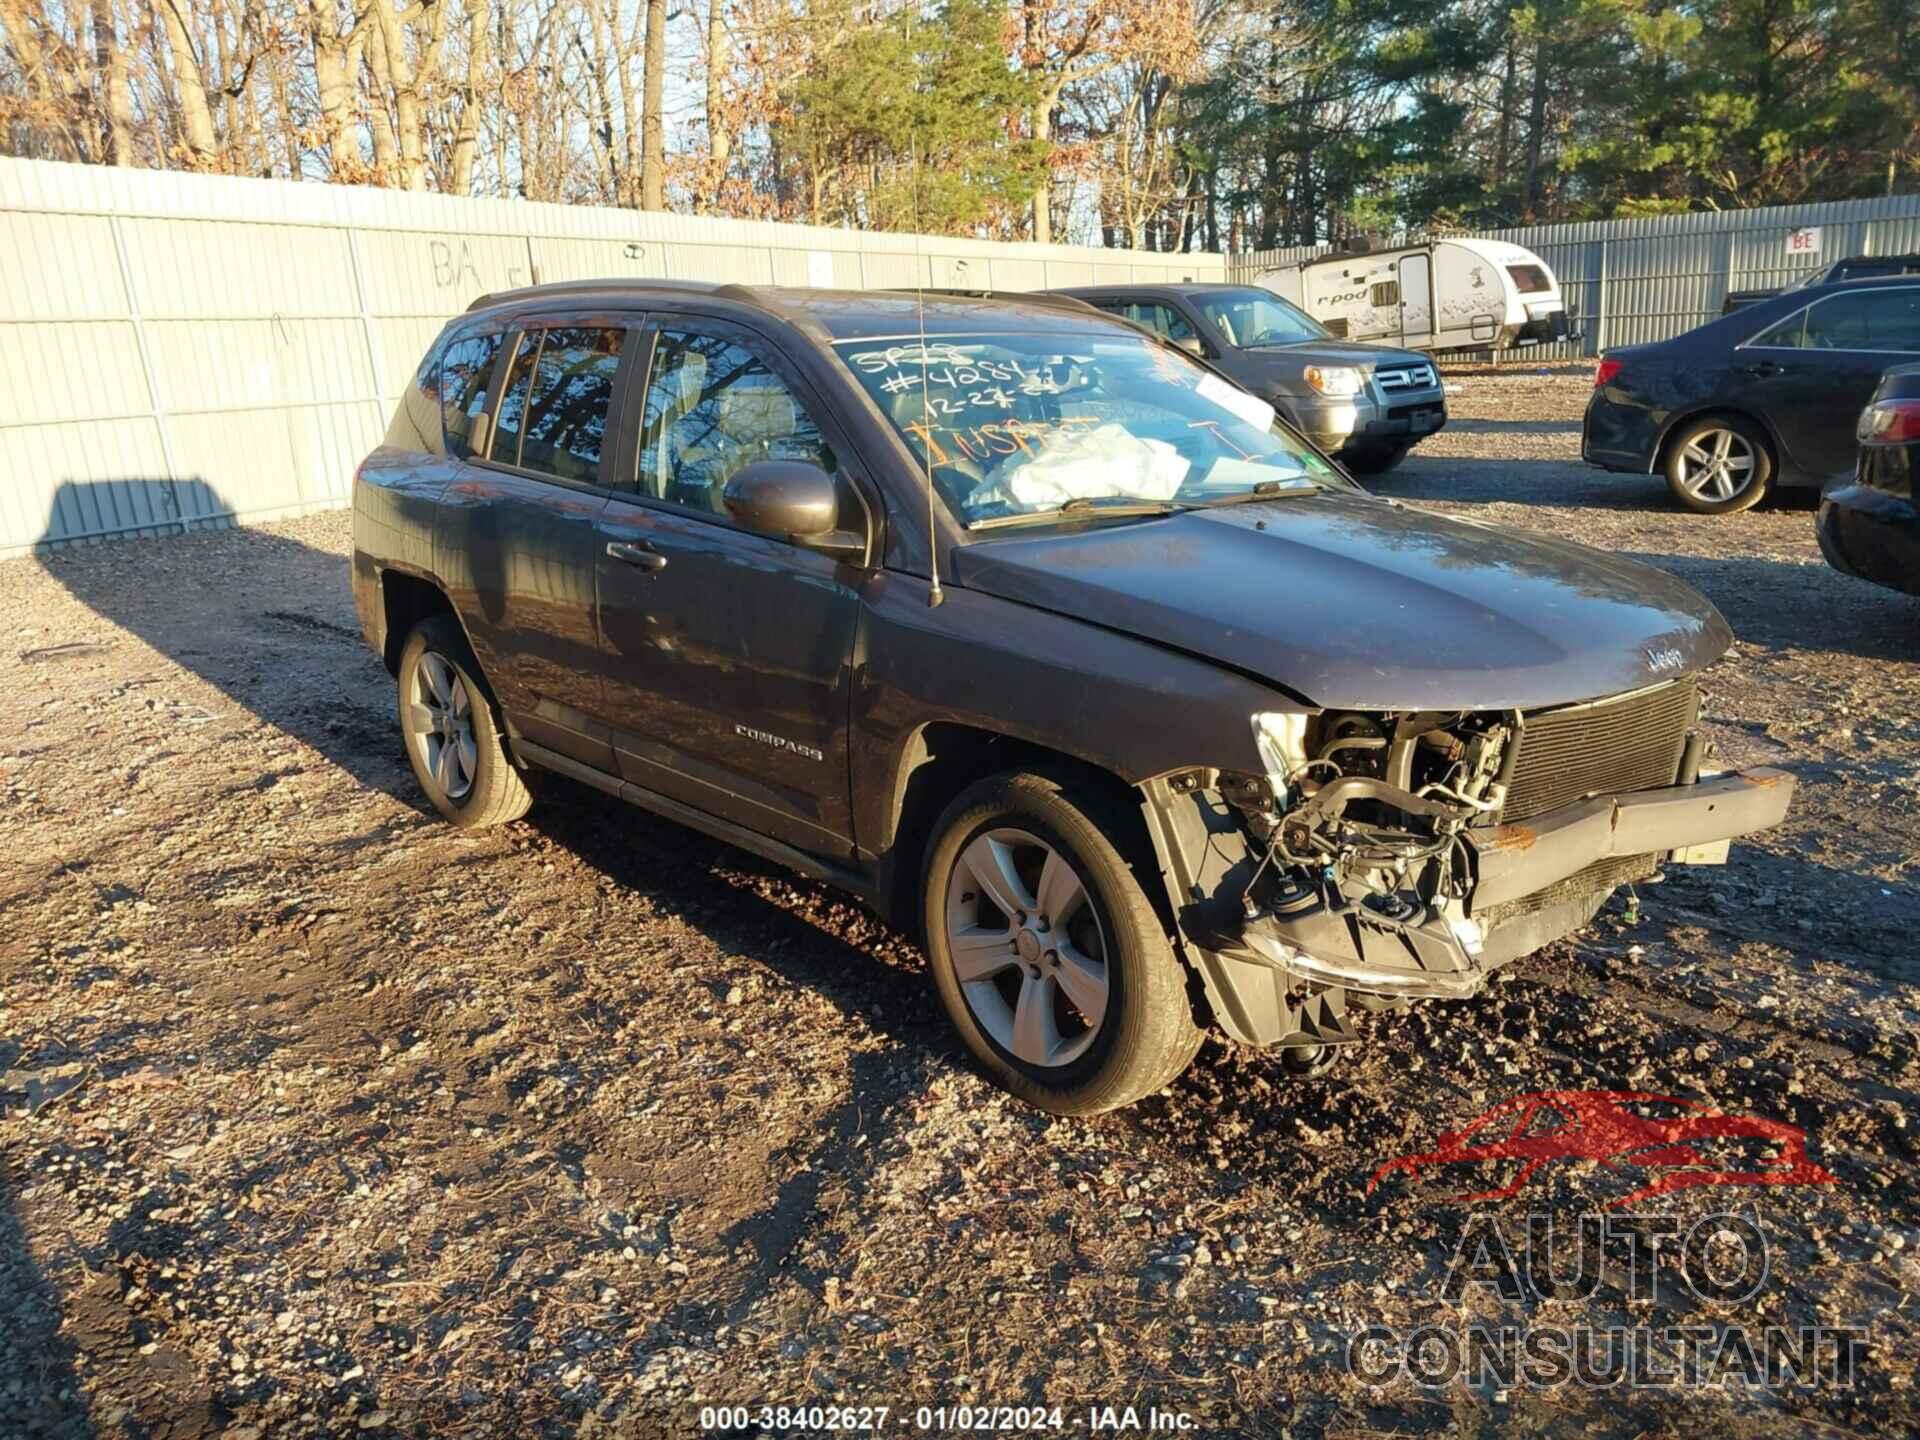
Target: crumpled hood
x: 1364, y: 604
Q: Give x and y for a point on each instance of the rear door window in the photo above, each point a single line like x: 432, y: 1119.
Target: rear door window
x: 572, y: 390
x: 555, y: 399
x: 1841, y: 323
x: 505, y: 449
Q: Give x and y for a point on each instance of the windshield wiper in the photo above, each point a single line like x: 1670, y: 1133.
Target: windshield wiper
x: 1117, y: 505
x: 1270, y: 489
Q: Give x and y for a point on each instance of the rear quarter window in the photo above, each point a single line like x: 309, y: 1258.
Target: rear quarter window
x: 465, y: 371
x: 416, y: 421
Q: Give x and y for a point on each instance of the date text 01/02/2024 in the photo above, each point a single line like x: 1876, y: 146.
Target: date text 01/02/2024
x: 947, y: 1419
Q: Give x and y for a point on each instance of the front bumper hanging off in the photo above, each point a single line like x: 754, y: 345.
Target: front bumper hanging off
x: 1274, y: 978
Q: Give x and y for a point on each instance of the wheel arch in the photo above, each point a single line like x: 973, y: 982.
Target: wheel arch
x: 1664, y: 444
x: 941, y: 758
x: 406, y: 599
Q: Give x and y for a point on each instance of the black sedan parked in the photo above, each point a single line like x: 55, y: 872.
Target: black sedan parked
x: 1868, y: 525
x: 1765, y: 397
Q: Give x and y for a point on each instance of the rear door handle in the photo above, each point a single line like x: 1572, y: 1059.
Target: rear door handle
x: 636, y: 555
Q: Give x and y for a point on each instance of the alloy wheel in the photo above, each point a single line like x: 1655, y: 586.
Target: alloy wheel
x: 1029, y: 948
x: 440, y: 722
x: 1717, y: 465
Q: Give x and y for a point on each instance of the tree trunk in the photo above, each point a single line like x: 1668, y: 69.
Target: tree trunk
x: 189, y: 88
x: 613, y: 179
x: 407, y: 81
x: 1536, y: 134
x: 1270, y: 155
x: 386, y: 146
x: 1503, y: 153
x: 1043, y: 197
x: 335, y: 59
x: 111, y: 61
x: 719, y: 132
x: 653, y: 125
x: 466, y: 139
x: 1306, y: 202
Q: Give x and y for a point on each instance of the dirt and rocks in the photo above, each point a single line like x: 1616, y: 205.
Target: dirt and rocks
x: 321, y: 1118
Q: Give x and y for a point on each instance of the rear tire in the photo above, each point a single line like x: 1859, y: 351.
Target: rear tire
x: 452, y: 733
x: 1021, y: 984
x: 1719, y: 465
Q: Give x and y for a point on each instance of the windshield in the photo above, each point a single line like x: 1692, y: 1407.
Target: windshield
x: 1036, y: 424
x: 1252, y: 317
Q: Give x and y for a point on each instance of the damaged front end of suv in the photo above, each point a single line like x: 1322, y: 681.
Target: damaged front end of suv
x: 1384, y: 857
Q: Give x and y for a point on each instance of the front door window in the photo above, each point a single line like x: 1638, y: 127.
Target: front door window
x: 712, y: 406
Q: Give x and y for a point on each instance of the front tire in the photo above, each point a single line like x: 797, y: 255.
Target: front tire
x: 1047, y: 953
x: 1719, y: 465
x: 453, y: 737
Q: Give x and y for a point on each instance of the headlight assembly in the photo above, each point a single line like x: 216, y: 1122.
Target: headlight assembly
x: 1334, y: 381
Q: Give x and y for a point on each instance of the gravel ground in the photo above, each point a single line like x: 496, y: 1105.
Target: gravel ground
x: 321, y: 1118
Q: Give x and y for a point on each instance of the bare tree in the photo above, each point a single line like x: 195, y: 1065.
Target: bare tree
x: 466, y: 140
x: 653, y: 122
x: 110, y: 65
x: 197, y: 136
x: 719, y: 121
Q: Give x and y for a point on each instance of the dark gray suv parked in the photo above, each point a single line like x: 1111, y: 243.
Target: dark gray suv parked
x: 1043, y: 638
x: 1366, y: 404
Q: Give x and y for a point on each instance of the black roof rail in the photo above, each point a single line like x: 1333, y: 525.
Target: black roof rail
x: 764, y: 299
x: 1035, y: 297
x: 559, y: 288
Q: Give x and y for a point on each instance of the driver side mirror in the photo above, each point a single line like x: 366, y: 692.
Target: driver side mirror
x: 795, y: 500
x: 1193, y: 345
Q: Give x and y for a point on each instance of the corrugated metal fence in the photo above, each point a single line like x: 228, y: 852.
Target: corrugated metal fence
x: 1630, y: 281
x: 184, y: 350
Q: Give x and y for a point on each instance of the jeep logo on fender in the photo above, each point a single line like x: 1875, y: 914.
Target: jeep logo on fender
x: 779, y: 742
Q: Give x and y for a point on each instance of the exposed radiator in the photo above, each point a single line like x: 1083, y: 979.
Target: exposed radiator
x: 1631, y: 742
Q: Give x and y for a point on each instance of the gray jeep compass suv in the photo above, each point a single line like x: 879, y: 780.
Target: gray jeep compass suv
x: 1042, y: 637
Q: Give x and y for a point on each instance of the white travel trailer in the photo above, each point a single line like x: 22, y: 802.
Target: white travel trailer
x: 1464, y: 294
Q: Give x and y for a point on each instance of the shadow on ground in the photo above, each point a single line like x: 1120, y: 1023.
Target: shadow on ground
x: 1514, y: 427
x: 1768, y: 603
x: 308, y: 674
x: 37, y: 1360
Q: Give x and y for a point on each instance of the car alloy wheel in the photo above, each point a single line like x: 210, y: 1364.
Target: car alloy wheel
x: 1716, y: 465
x: 440, y: 723
x: 1029, y: 948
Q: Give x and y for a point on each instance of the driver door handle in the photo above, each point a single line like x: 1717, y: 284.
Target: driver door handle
x: 636, y: 555
x: 1764, y: 368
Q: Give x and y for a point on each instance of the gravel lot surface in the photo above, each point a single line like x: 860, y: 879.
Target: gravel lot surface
x: 321, y: 1118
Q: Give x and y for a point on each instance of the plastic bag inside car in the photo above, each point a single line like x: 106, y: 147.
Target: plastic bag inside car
x: 1072, y: 464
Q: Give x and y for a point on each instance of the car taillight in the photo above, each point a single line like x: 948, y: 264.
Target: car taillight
x: 1889, y: 422
x: 1605, y: 371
